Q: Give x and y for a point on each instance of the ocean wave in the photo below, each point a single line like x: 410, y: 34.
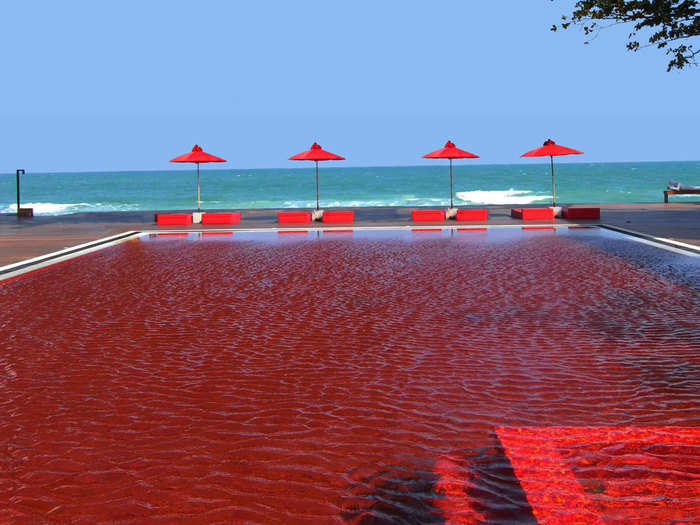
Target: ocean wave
x: 55, y: 208
x: 48, y: 208
x: 356, y: 203
x: 510, y: 196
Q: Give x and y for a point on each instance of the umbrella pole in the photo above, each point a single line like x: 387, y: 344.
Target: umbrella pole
x: 554, y: 195
x: 198, y: 199
x: 452, y: 204
x: 316, y: 184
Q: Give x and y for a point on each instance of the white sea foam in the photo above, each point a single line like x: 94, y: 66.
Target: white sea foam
x: 48, y: 208
x: 510, y: 196
x: 398, y: 201
x: 54, y: 208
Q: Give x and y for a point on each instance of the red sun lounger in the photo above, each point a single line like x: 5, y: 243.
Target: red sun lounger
x: 581, y: 213
x: 293, y: 217
x: 532, y: 214
x: 221, y: 218
x: 427, y: 215
x: 338, y: 216
x: 173, y: 219
x: 472, y: 215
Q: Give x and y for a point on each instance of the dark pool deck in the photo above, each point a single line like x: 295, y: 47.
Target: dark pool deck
x: 24, y: 238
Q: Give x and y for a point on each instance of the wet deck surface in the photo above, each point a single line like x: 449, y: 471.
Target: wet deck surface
x: 22, y: 239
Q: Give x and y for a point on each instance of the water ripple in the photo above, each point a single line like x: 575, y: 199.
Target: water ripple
x: 353, y: 380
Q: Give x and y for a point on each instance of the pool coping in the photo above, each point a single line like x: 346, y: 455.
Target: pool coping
x: 11, y: 270
x: 42, y: 261
x: 685, y: 247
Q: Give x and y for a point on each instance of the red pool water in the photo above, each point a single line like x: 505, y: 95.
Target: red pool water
x: 345, y: 379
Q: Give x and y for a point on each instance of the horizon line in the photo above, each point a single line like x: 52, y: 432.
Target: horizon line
x: 334, y: 166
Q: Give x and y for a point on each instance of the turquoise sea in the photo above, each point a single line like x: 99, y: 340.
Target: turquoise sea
x: 58, y: 193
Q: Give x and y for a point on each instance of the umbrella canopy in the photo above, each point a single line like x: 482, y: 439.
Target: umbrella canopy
x: 197, y: 156
x: 551, y: 149
x: 450, y: 151
x: 316, y: 154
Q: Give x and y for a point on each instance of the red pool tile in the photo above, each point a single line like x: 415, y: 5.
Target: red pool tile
x: 607, y: 474
x: 340, y: 380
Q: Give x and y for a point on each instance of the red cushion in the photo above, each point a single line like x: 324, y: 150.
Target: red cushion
x: 532, y: 214
x: 171, y: 219
x: 221, y: 218
x: 427, y: 215
x: 472, y: 215
x: 338, y: 216
x: 581, y: 213
x: 293, y: 217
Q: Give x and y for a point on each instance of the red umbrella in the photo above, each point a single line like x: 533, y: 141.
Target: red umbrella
x: 450, y: 151
x: 316, y: 153
x: 551, y: 149
x: 197, y: 155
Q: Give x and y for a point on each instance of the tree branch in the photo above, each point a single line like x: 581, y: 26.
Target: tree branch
x: 668, y: 20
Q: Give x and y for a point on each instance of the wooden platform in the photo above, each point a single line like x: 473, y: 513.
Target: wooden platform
x: 679, y: 192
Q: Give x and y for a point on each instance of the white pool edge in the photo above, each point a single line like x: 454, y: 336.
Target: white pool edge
x: 28, y: 265
x: 659, y: 242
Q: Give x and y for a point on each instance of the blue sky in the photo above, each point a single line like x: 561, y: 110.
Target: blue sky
x: 128, y: 85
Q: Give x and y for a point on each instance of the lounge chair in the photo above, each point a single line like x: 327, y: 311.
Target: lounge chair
x: 581, y: 213
x: 221, y: 218
x: 472, y: 215
x: 676, y: 188
x: 173, y: 219
x: 532, y: 214
x: 293, y: 217
x: 427, y: 215
x: 338, y: 216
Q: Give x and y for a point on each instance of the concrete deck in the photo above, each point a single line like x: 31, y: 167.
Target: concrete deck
x: 24, y: 238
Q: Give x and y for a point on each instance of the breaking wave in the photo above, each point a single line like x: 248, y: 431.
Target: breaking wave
x: 510, y: 196
x: 54, y: 208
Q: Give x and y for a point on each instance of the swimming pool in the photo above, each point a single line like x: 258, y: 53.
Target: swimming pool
x: 424, y: 376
